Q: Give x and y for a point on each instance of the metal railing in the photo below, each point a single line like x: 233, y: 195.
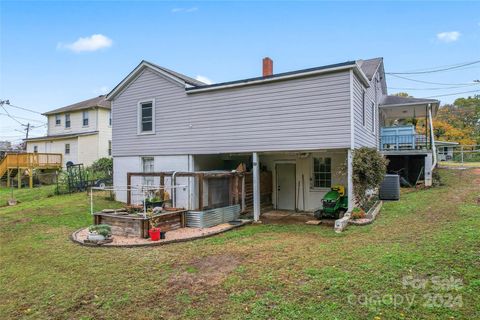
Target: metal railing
x: 404, y: 142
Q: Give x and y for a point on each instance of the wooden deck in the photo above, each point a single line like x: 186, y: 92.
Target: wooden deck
x: 15, y: 164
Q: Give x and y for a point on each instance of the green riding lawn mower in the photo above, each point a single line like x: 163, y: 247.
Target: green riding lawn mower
x: 335, y: 204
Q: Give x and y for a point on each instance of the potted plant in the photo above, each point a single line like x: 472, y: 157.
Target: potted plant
x: 154, y: 230
x: 99, y: 232
x: 154, y: 202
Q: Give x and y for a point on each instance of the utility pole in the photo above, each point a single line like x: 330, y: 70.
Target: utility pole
x: 27, y: 129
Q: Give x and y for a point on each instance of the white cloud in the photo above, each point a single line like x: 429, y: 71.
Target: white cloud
x: 204, y: 79
x: 102, y: 90
x: 449, y: 36
x: 93, y: 43
x: 178, y: 10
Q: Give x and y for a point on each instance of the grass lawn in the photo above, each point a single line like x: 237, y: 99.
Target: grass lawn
x: 459, y: 164
x: 255, y: 272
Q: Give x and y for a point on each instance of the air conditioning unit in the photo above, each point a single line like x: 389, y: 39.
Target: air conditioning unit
x: 390, y: 187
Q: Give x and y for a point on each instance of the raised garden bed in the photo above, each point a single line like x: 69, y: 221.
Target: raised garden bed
x: 212, y: 217
x: 134, y: 225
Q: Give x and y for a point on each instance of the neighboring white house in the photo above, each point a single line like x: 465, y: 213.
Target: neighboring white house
x: 302, y: 126
x: 81, y: 132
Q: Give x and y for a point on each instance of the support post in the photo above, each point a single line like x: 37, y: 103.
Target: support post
x: 30, y: 178
x: 129, y: 188
x: 19, y: 178
x: 256, y: 187
x: 9, y: 172
x: 200, y: 191
x: 351, y: 201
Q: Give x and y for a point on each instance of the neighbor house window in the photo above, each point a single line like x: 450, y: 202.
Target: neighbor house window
x: 67, y: 148
x: 148, y: 166
x: 109, y: 147
x: 35, y: 149
x: 363, y: 107
x: 85, y: 118
x: 146, y: 117
x: 58, y: 120
x: 322, y: 172
x: 67, y: 120
x: 109, y: 118
x: 373, y: 117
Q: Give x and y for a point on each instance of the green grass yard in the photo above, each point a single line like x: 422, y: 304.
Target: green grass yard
x: 255, y: 272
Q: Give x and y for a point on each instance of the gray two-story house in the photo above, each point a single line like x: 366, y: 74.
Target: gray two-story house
x: 302, y: 126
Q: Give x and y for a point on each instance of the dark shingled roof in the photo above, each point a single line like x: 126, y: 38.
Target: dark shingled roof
x: 62, y: 136
x: 90, y: 103
x: 191, y: 81
x: 369, y: 66
x: 396, y: 100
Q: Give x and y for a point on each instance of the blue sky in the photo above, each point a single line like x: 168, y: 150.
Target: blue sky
x: 45, y: 63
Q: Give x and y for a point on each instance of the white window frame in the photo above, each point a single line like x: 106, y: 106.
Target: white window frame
x: 312, y: 176
x: 67, y: 144
x: 109, y: 148
x: 69, y: 121
x: 148, y: 181
x: 85, y: 113
x: 35, y: 149
x: 139, y: 117
x: 109, y: 118
x: 58, y: 118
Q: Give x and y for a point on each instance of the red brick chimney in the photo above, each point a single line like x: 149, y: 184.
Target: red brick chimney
x: 267, y: 67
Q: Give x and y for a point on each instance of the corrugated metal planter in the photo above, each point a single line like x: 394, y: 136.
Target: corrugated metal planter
x: 212, y: 217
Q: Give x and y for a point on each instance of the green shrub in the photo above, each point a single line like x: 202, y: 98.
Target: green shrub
x: 103, y: 229
x: 369, y: 168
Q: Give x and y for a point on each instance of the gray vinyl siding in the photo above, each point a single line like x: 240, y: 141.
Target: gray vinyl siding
x: 363, y: 134
x: 302, y: 114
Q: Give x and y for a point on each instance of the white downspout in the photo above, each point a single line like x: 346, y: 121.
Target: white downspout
x: 432, y: 137
x: 173, y: 190
x: 256, y: 187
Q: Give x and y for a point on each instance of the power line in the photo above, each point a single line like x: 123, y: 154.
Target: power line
x: 444, y: 88
x: 437, y: 70
x: 436, y: 83
x: 26, y: 109
x: 28, y: 119
x: 451, y: 94
x: 11, y: 117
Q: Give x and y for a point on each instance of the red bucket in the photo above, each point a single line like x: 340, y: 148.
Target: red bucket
x: 154, y: 234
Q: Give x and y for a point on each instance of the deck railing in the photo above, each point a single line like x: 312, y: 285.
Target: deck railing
x: 32, y: 160
x: 404, y: 142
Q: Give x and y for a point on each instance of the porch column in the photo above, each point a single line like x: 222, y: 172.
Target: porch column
x: 351, y: 202
x: 256, y: 187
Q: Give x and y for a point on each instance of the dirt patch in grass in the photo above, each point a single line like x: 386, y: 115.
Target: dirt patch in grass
x: 204, y: 272
x: 23, y: 220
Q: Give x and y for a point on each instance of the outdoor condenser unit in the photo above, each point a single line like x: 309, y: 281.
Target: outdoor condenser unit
x: 390, y: 187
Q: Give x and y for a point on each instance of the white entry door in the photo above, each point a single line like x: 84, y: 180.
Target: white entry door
x: 285, y: 186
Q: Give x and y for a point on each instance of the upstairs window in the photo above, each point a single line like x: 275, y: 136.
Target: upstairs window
x: 58, y: 120
x: 110, y: 118
x: 85, y: 118
x: 321, y: 173
x: 67, y: 148
x: 67, y: 120
x: 146, y: 117
x: 35, y: 149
